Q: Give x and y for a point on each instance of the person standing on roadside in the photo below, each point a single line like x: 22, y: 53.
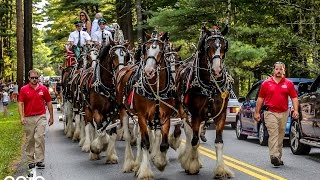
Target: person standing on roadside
x: 5, y: 101
x: 33, y: 99
x: 273, y: 95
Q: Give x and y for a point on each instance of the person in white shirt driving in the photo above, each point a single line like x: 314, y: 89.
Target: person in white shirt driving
x: 78, y: 34
x: 101, y: 37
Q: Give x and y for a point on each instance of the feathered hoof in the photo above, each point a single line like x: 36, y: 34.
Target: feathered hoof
x: 128, y: 168
x: 93, y: 157
x: 112, y: 160
x: 191, y: 173
x: 145, y: 175
x: 223, y: 172
x: 86, y: 148
x: 146, y: 178
x: 174, y: 143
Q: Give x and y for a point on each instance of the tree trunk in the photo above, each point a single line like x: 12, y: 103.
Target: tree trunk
x: 20, y: 50
x: 28, y: 37
x: 1, y: 59
x: 124, y: 18
x: 139, y: 21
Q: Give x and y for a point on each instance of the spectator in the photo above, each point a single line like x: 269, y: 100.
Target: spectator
x: 15, y: 92
x: 86, y: 22
x: 95, y: 25
x: 5, y: 101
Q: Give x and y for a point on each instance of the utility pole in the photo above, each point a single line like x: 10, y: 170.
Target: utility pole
x: 28, y: 37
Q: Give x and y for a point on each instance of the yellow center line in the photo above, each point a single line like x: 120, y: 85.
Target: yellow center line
x: 202, y: 149
x: 251, y: 173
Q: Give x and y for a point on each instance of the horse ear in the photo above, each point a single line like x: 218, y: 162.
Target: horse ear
x: 206, y: 30
x: 178, y: 48
x: 164, y: 37
x: 148, y: 36
x: 225, y: 30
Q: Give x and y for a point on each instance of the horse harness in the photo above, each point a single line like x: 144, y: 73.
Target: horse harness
x: 216, y: 86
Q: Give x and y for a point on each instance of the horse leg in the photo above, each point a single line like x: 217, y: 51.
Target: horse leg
x: 97, y: 144
x: 82, y: 131
x: 160, y: 159
x: 174, y: 138
x: 120, y: 131
x: 128, y: 157
x: 87, y: 129
x: 133, y: 128
x: 144, y: 171
x: 138, y: 159
x: 70, y: 126
x: 221, y: 170
x: 192, y: 162
x: 111, y: 152
x: 76, y: 134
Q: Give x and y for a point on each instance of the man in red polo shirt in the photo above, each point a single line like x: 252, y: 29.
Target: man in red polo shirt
x: 274, y: 94
x: 32, y: 100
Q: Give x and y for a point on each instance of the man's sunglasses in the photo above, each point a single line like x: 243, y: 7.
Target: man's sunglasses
x: 34, y: 77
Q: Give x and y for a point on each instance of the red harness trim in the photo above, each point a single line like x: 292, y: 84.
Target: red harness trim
x: 130, y: 97
x: 186, y: 99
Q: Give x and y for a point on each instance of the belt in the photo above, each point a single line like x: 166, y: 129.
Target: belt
x: 35, y: 114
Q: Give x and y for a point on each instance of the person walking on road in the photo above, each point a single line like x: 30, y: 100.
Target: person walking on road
x: 32, y: 100
x: 273, y: 97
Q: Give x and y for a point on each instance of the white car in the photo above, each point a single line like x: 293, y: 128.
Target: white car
x: 232, y: 110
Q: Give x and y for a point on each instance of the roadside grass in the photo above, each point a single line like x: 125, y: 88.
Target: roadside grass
x: 11, y: 138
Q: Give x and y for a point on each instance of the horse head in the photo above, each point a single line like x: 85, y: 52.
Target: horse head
x: 213, y: 47
x: 120, y: 55
x: 153, y: 52
x: 92, y: 57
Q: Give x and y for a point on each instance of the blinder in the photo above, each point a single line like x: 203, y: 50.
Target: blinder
x: 153, y: 41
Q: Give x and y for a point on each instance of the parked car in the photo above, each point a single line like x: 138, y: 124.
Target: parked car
x: 305, y: 131
x: 232, y: 110
x: 247, y: 126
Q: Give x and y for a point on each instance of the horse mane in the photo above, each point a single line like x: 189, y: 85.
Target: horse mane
x: 104, y: 52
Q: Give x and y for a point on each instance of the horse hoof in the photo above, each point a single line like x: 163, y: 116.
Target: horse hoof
x: 193, y: 173
x: 112, y: 162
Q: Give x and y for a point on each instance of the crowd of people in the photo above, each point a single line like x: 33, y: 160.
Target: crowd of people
x: 8, y: 93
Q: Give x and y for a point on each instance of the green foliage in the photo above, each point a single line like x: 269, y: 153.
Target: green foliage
x: 10, y: 142
x: 41, y: 52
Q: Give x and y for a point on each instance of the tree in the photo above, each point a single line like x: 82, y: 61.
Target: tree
x: 20, y: 50
x: 28, y: 37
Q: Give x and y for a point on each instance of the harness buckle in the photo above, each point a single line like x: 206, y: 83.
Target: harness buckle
x: 224, y: 94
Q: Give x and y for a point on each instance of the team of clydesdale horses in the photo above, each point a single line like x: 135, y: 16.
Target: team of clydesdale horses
x: 110, y: 86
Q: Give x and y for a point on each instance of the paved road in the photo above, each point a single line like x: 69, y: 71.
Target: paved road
x: 248, y: 160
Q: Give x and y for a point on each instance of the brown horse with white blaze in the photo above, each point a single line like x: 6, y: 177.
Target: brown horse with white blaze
x: 147, y: 90
x: 202, y: 90
x: 101, y: 108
